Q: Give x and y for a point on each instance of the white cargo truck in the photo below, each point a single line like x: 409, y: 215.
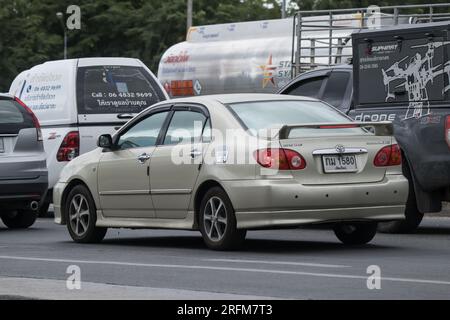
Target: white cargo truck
x: 76, y: 100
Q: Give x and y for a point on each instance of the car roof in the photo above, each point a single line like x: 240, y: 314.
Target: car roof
x: 239, y: 97
x: 6, y: 95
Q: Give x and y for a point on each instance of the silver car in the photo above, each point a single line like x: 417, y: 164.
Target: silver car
x: 226, y: 164
x: 23, y: 170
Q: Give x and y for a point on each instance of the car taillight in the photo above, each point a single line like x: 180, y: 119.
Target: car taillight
x: 388, y: 156
x: 36, y: 123
x: 280, y: 159
x: 447, y: 130
x: 70, y: 147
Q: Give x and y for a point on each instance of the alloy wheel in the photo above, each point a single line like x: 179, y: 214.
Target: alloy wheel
x: 215, y: 219
x: 79, y: 214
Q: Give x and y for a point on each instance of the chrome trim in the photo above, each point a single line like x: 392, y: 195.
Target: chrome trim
x: 171, y: 191
x: 334, y: 151
x: 124, y: 193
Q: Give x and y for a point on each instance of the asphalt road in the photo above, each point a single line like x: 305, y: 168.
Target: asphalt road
x: 162, y: 264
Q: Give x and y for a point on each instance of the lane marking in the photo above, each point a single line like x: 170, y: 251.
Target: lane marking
x: 197, y: 267
x: 287, y: 263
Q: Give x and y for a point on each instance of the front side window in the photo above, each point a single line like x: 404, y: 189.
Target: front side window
x: 144, y: 133
x: 307, y: 88
x: 185, y: 127
x: 116, y: 89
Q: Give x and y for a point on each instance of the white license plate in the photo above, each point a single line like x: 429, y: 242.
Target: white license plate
x: 2, y: 146
x: 339, y: 163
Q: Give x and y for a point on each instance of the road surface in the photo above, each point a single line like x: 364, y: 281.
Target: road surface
x: 307, y: 263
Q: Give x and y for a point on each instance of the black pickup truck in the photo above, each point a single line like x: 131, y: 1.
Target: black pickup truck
x: 399, y: 74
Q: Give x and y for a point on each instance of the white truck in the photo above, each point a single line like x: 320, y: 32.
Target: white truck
x: 262, y: 56
x: 77, y: 100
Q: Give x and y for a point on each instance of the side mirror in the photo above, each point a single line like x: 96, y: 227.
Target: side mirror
x: 105, y: 141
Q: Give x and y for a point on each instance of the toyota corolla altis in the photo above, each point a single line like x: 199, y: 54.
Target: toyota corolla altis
x: 226, y: 164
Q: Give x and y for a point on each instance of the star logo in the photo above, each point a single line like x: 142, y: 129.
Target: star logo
x: 268, y: 70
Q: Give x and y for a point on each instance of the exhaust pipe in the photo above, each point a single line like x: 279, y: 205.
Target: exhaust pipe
x: 34, y: 205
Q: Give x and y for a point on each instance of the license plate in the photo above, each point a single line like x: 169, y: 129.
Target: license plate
x: 339, y: 163
x: 2, y: 146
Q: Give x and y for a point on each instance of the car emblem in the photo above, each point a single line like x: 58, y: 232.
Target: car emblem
x: 340, y: 148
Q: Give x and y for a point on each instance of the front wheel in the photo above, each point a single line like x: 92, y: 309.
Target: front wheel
x: 356, y: 233
x: 82, y: 216
x: 19, y: 219
x: 218, y: 222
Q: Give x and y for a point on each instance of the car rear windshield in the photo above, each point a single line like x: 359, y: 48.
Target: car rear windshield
x: 263, y: 115
x: 115, y: 89
x: 13, y: 117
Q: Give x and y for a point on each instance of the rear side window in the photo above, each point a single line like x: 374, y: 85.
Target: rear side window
x: 307, y: 88
x: 185, y: 127
x: 116, y: 89
x: 336, y: 88
x: 13, y: 117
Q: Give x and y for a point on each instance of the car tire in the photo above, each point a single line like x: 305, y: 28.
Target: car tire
x: 356, y: 233
x: 413, y: 217
x: 19, y: 219
x: 217, y: 221
x: 43, y: 210
x: 81, y: 215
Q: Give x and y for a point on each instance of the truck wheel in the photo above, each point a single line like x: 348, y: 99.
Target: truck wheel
x: 413, y: 217
x: 355, y: 233
x: 218, y: 222
x: 20, y: 219
x: 82, y: 216
x: 43, y: 210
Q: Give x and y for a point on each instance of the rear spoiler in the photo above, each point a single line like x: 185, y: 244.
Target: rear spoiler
x: 384, y: 128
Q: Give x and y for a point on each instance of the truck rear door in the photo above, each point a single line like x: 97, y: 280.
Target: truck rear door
x: 109, y: 95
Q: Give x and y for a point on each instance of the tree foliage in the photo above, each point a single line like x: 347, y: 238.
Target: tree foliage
x: 30, y: 33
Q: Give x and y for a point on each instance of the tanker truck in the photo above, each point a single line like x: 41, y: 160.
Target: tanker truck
x: 263, y: 56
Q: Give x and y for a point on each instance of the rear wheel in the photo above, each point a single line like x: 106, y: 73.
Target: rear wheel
x: 19, y: 219
x: 82, y: 216
x: 355, y: 233
x: 413, y: 217
x: 218, y: 222
x: 43, y: 209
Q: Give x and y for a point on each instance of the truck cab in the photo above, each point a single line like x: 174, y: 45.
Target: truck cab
x: 399, y: 74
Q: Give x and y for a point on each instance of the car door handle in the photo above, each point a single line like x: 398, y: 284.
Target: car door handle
x: 143, y: 158
x: 195, y: 153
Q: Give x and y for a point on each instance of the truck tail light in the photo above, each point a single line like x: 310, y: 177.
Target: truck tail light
x: 36, y: 123
x: 447, y: 130
x: 388, y: 156
x: 70, y: 147
x: 280, y: 159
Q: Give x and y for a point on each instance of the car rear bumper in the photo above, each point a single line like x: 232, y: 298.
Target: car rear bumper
x: 15, y: 193
x: 58, y: 190
x: 285, y: 202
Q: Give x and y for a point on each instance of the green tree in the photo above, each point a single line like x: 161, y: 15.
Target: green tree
x: 31, y: 34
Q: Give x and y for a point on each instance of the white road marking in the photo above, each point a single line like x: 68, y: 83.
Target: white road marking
x: 197, y: 267
x: 288, y: 263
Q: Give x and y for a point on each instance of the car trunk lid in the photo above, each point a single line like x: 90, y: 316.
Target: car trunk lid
x: 337, y: 153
